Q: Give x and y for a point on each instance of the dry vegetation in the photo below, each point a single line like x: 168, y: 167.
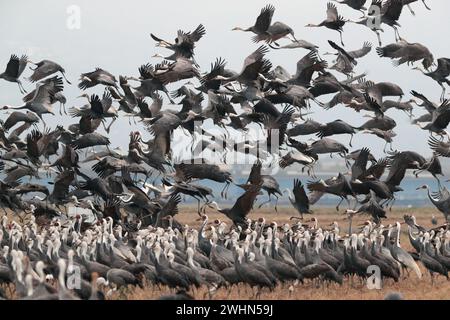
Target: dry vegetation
x: 410, y: 287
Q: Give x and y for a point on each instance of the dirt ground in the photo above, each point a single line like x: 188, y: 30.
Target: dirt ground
x: 410, y: 287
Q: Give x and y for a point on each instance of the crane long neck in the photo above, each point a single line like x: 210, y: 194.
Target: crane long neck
x: 242, y: 29
x: 61, y: 279
x: 430, y: 196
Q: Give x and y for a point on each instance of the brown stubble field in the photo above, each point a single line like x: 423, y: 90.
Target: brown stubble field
x: 410, y: 287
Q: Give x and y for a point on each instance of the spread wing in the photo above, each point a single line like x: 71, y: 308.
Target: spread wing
x: 264, y: 19
x: 299, y: 193
x: 244, y: 203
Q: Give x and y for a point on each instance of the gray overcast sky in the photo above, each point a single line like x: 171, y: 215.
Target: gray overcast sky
x: 115, y: 36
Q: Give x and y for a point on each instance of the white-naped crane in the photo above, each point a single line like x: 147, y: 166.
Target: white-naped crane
x: 338, y: 186
x: 184, y: 43
x: 440, y: 199
x: 334, y: 20
x: 96, y: 77
x: 264, y: 30
x: 346, y: 60
x: 254, y: 66
x: 440, y: 74
x: 17, y: 117
x: 387, y: 12
x: 408, y: 4
x: 402, y: 255
x: 406, y: 52
x: 14, y: 70
x: 97, y: 109
x: 299, y: 199
x: 267, y: 182
x: 41, y: 102
x: 241, y: 208
x: 202, y: 170
x: 53, y: 85
x: 45, y: 68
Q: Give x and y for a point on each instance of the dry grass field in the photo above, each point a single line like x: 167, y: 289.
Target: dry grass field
x: 410, y: 287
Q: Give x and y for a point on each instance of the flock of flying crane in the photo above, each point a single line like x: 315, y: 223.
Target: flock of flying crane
x: 126, y: 229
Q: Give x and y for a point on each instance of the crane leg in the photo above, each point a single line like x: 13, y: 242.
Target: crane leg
x: 426, y: 6
x: 350, y: 226
x: 392, y: 204
x: 379, y: 38
x: 411, y: 10
x: 337, y: 207
x: 21, y: 88
x: 263, y: 203
x: 443, y: 91
x: 109, y: 127
x: 340, y: 35
x: 223, y: 192
x: 439, y: 182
